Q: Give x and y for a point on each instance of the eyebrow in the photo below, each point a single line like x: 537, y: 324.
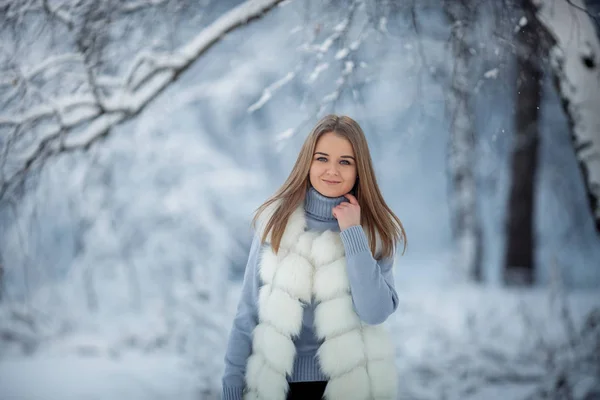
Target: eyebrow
x: 325, y: 154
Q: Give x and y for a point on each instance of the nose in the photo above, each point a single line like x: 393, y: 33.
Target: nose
x: 333, y: 169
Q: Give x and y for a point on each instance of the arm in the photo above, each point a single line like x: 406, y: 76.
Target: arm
x: 371, y: 282
x: 239, y: 345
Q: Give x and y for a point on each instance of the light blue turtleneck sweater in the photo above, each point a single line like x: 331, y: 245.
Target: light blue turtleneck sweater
x: 371, y: 287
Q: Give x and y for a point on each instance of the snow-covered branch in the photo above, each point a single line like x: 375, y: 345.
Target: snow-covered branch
x: 344, y: 44
x: 17, y: 11
x: 151, y: 72
x: 270, y: 90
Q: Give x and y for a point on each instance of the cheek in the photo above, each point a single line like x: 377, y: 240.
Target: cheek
x: 316, y: 170
x: 313, y: 173
x: 350, y: 176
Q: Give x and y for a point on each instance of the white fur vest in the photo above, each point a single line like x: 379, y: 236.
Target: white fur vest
x: 357, y: 358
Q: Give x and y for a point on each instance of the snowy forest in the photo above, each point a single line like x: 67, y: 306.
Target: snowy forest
x: 137, y: 138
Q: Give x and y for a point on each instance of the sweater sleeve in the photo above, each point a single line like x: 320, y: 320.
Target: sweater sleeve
x: 239, y: 345
x: 371, y: 282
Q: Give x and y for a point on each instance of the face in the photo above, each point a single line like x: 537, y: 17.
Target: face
x: 333, y: 167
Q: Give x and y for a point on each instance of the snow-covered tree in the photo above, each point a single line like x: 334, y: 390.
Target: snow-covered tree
x: 575, y: 58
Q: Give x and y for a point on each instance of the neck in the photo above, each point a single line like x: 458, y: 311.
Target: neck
x: 320, y: 207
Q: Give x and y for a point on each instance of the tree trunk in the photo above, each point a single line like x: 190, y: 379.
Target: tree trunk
x: 465, y: 222
x: 520, y: 242
x: 575, y: 57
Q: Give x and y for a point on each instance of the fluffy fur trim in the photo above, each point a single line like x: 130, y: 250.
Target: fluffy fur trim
x: 294, y: 228
x: 357, y: 358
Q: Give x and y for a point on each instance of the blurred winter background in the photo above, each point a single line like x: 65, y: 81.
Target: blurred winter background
x: 138, y: 136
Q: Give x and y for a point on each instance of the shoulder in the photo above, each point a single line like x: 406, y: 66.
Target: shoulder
x: 294, y: 226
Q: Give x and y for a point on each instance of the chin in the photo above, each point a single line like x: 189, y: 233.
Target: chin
x: 331, y: 192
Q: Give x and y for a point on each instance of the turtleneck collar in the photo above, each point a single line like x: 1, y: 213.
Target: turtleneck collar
x: 319, y: 206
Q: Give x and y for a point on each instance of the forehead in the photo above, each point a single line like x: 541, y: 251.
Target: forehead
x: 332, y: 144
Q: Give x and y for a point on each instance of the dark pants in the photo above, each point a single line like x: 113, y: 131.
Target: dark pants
x: 306, y: 390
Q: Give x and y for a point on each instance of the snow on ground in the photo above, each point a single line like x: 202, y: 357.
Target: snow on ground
x: 93, y: 378
x: 493, y: 343
x: 454, y: 343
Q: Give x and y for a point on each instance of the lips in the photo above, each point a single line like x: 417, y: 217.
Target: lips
x: 330, y: 182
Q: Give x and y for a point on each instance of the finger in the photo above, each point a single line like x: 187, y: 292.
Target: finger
x: 352, y: 199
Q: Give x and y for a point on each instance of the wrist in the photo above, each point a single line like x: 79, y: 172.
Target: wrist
x: 355, y: 241
x: 343, y: 227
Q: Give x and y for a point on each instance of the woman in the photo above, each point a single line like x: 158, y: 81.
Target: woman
x: 319, y: 281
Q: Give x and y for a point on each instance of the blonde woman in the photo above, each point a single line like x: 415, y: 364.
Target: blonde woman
x: 319, y: 281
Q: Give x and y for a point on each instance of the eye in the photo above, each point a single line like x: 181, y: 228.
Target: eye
x: 345, y: 162
x: 323, y: 159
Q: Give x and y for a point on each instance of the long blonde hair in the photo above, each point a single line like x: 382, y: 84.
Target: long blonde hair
x: 377, y: 218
